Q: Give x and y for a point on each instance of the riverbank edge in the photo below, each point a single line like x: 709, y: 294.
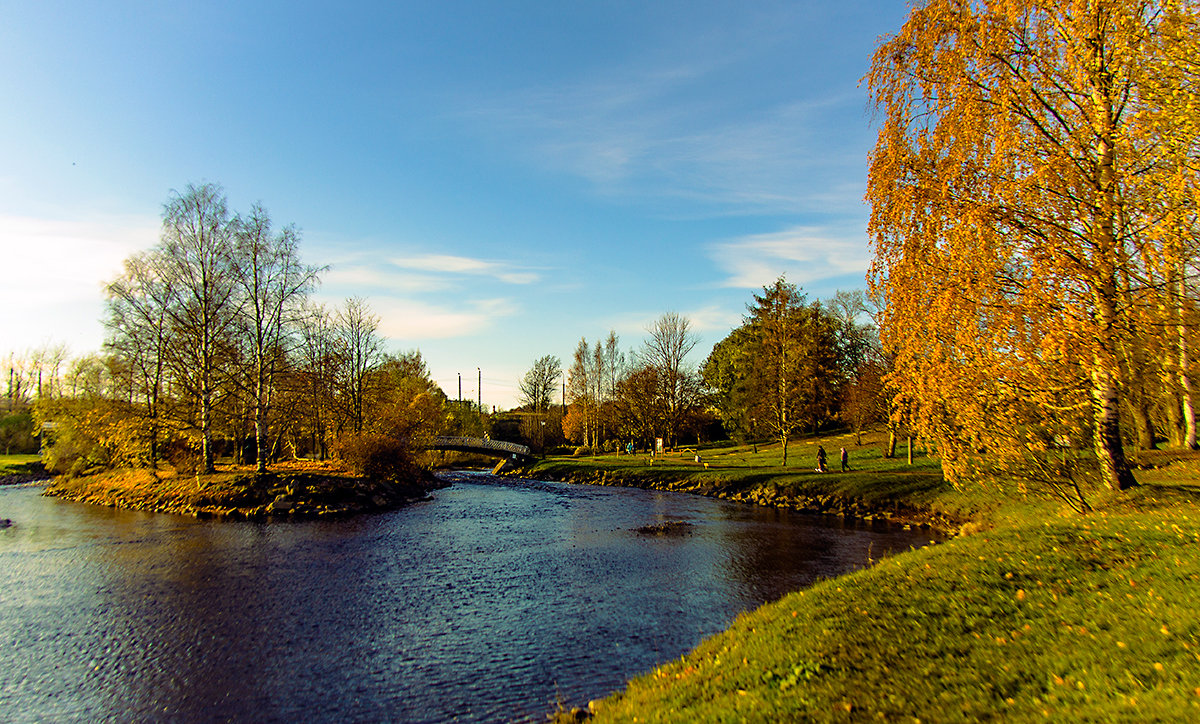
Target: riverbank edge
x: 999, y: 550
x: 246, y: 496
x: 24, y: 473
x: 898, y: 512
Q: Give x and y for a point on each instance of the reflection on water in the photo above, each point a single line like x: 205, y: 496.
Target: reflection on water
x: 484, y: 604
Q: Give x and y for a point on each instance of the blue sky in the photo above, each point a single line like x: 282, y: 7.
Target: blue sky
x: 497, y: 179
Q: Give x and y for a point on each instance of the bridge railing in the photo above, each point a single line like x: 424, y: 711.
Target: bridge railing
x: 480, y: 443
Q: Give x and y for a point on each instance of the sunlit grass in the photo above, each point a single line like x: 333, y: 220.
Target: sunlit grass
x: 1067, y: 617
x: 753, y: 473
x: 1040, y: 614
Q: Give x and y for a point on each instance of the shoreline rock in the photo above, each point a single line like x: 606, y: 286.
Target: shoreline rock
x: 246, y: 496
x: 25, y: 473
x: 827, y: 505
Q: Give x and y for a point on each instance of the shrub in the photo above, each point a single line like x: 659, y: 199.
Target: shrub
x: 88, y: 434
x: 16, y: 433
x: 378, y: 457
x: 582, y: 450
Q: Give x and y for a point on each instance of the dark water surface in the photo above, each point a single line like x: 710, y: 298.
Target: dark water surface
x: 484, y: 604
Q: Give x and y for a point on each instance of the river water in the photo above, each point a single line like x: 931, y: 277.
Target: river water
x: 488, y: 603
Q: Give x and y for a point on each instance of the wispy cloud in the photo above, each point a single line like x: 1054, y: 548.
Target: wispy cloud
x: 804, y: 253
x: 713, y: 318
x: 408, y: 320
x: 447, y: 264
x: 375, y: 273
x: 643, y: 135
x: 366, y: 278
x: 422, y: 296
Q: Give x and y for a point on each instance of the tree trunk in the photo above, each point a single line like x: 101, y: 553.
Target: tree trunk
x: 1185, y: 381
x: 1142, y: 424
x: 206, y: 443
x: 1114, y: 469
x: 260, y: 428
x: 1170, y: 406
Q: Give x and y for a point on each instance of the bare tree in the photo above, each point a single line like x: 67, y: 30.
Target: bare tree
x: 540, y: 383
x: 197, y: 260
x: 666, y: 350
x: 357, y: 331
x: 537, y: 390
x: 273, y: 283
x: 320, y: 358
x: 139, y: 334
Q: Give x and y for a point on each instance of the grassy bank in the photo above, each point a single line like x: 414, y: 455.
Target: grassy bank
x: 20, y: 468
x: 1038, y: 614
x: 875, y: 486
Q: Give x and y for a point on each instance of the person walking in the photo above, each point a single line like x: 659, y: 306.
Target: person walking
x: 821, y: 460
x: 845, y: 460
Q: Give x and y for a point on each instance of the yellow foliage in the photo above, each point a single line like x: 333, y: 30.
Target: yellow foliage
x: 1011, y: 198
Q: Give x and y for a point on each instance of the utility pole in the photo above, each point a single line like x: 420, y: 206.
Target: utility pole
x: 460, y: 387
x: 480, y: 390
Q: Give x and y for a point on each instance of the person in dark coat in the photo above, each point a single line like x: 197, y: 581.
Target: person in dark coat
x: 845, y: 460
x: 821, y: 460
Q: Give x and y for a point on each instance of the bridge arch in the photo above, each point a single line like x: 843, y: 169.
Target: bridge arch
x: 492, y: 448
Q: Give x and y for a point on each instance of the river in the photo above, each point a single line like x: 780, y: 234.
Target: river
x: 485, y: 604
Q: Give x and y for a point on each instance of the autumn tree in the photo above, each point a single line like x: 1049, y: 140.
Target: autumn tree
x: 1010, y: 219
x: 780, y: 368
x: 640, y: 410
x: 403, y: 402
x: 591, y: 385
x: 581, y: 389
x: 1171, y: 111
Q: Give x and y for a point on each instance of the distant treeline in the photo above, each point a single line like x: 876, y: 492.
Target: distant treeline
x: 792, y: 366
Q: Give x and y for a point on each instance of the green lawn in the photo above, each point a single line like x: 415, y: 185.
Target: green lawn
x: 1040, y: 614
x: 738, y: 472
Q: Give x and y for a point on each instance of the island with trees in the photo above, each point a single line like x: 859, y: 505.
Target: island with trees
x: 214, y: 351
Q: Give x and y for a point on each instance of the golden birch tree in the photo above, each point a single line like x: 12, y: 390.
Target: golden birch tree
x: 1012, y: 225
